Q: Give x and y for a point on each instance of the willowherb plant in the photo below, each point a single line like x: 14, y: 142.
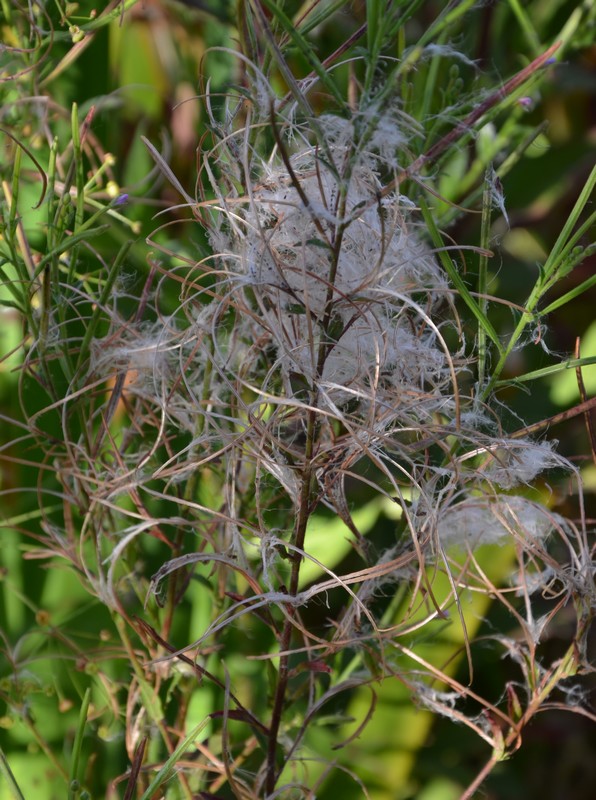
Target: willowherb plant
x: 320, y: 356
x: 329, y: 350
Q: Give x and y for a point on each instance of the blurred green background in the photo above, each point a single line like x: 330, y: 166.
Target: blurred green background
x: 143, y: 73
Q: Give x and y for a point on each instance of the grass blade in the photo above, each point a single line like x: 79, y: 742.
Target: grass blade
x: 170, y: 765
x: 73, y: 788
x: 456, y: 279
x: 10, y: 779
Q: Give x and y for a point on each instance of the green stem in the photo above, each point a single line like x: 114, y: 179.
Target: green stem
x: 483, y: 275
x: 10, y: 779
x: 76, y: 750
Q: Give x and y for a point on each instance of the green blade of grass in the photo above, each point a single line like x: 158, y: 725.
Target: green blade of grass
x: 87, y: 232
x: 525, y: 24
x: 546, y: 278
x: 321, y: 15
x: 8, y: 283
x: 577, y: 291
x: 170, y: 765
x: 306, y: 50
x: 99, y: 312
x: 553, y: 369
x: 456, y: 279
x: 73, y: 786
x: 10, y: 779
x: 565, y: 238
x: 483, y: 274
x: 442, y: 23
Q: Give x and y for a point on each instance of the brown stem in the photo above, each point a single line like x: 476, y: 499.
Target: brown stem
x: 480, y: 778
x: 465, y: 125
x: 304, y: 509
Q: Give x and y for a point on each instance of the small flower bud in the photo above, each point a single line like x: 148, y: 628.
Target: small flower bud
x: 76, y: 34
x: 526, y: 103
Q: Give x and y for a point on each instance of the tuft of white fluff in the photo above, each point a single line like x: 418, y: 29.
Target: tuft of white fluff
x: 288, y: 244
x: 519, y: 462
x: 495, y: 520
x: 353, y: 298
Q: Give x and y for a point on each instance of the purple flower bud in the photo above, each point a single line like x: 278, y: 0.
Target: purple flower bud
x: 121, y: 200
x: 526, y: 102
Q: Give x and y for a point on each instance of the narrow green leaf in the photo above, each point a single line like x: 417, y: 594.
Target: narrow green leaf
x: 306, y: 49
x: 318, y: 243
x: 561, y: 366
x: 319, y: 15
x: 78, y: 743
x: 105, y: 294
x: 10, y: 779
x: 565, y: 237
x: 83, y: 235
x: 170, y: 765
x: 373, y: 27
x: 12, y: 285
x: 570, y: 295
x: 527, y: 27
x: 565, y: 242
x: 456, y: 278
x: 568, y: 259
x: 483, y: 271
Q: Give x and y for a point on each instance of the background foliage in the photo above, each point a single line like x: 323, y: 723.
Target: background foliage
x: 81, y: 87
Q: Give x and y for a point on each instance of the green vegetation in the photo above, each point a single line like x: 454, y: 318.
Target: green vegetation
x: 295, y: 300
